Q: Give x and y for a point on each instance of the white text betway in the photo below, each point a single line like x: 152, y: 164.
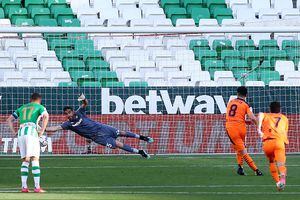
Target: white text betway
x: 136, y: 104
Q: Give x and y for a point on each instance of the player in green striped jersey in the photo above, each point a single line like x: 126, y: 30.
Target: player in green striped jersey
x: 29, y: 137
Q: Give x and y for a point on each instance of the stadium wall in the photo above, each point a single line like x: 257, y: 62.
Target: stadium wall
x: 182, y: 120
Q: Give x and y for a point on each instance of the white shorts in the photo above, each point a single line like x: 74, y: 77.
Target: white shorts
x: 29, y: 146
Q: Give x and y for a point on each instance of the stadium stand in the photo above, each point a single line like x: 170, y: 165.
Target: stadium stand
x: 104, y: 60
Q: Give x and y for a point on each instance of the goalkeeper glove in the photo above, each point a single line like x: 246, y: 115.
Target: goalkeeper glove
x: 81, y: 97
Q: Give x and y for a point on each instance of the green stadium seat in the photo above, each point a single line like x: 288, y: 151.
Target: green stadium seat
x: 47, y: 22
x: 166, y: 4
x: 222, y: 13
x: 111, y: 84
x: 73, y: 65
x: 80, y: 76
x: 228, y: 55
x: 90, y: 84
x: 205, y: 55
x: 61, y: 14
x: 58, y: 44
x: 245, y: 75
x: 24, y: 22
x: 245, y: 45
x: 56, y: 4
x: 294, y: 55
x: 237, y: 64
x: 90, y: 55
x: 2, y: 15
x: 40, y: 13
x: 267, y: 45
x: 70, y: 22
x: 97, y: 65
x: 212, y: 4
x: 267, y: 76
x: 199, y: 13
x: 76, y: 36
x: 214, y: 65
x: 176, y: 13
x: 188, y: 4
x: 106, y: 76
x: 31, y: 4
x: 138, y: 84
x: 201, y: 44
x: 67, y: 84
x: 274, y: 55
x: 221, y: 45
x: 8, y: 4
x: 288, y: 45
x: 64, y: 55
x: 17, y: 13
x: 265, y: 65
x: 83, y: 44
x: 252, y: 55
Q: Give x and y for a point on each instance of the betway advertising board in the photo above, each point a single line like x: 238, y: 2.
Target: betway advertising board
x: 181, y: 119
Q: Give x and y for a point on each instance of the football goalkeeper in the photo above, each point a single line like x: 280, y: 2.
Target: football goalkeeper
x: 100, y: 133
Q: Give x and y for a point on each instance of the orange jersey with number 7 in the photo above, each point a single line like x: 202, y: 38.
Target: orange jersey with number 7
x: 237, y: 109
x: 275, y: 126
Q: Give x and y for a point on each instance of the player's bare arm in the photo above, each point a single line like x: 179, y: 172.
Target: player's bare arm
x: 253, y: 118
x: 53, y: 128
x: 45, y: 119
x: 10, y: 121
x: 260, y: 120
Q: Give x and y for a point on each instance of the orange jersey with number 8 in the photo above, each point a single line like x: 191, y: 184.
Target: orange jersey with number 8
x: 237, y: 109
x: 275, y: 126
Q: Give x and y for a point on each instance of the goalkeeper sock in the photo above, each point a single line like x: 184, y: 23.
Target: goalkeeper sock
x: 131, y: 135
x: 36, y: 173
x: 274, y: 172
x: 24, y: 173
x: 129, y: 149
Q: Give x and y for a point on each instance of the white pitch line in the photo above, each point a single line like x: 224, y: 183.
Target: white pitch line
x: 153, y: 186
x: 138, y: 166
x: 169, y: 193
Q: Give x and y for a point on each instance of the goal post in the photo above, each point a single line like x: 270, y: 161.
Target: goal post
x: 114, y: 68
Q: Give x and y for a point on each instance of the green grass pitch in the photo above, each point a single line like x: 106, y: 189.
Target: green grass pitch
x: 160, y: 178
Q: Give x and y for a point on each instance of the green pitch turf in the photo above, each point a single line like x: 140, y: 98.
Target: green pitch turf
x: 160, y: 178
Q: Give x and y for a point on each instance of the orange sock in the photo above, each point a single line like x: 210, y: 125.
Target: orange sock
x: 239, y: 159
x: 250, y: 162
x: 282, y: 170
x: 274, y: 172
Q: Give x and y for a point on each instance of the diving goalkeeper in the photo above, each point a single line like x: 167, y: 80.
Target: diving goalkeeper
x: 100, y: 133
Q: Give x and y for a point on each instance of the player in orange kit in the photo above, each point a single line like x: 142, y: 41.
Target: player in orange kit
x: 273, y: 128
x: 237, y: 109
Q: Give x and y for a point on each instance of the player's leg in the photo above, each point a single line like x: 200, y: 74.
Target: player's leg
x: 134, y: 135
x: 36, y: 171
x: 268, y: 148
x: 24, y: 174
x: 25, y: 162
x: 241, y: 148
x: 33, y: 151
x: 280, y: 158
x: 130, y: 149
x: 233, y: 134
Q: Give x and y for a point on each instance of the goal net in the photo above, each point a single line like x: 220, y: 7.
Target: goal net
x: 173, y: 87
